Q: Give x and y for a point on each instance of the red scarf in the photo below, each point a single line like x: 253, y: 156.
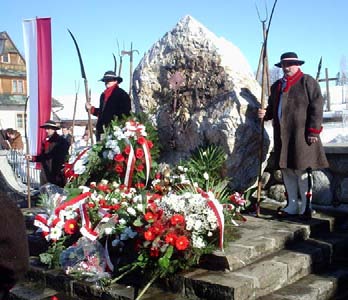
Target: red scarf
x: 108, y: 92
x: 291, y: 80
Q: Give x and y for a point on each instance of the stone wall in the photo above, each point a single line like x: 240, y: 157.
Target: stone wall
x: 330, y: 186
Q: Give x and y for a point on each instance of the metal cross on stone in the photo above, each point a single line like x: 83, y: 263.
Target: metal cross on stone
x: 175, y: 82
x: 327, y: 80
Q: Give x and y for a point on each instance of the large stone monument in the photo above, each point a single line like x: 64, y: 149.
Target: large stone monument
x: 200, y: 90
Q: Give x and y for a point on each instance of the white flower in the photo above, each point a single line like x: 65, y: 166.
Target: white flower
x: 122, y: 222
x: 108, y: 230
x: 198, y: 225
x: 55, y: 233
x: 84, y: 188
x: 206, y: 176
x: 109, y: 154
x: 137, y: 198
x: 181, y: 168
x: 131, y: 211
x: 184, y: 180
x: 198, y: 242
x: 140, y: 207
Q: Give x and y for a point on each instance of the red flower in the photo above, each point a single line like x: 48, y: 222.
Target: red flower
x: 149, y: 217
x: 119, y: 169
x: 102, y: 187
x: 139, y: 153
x: 102, y: 202
x: 70, y: 226
x: 149, y: 235
x: 116, y: 206
x: 181, y: 242
x: 149, y: 144
x: 171, y: 238
x: 139, y: 185
x: 127, y: 149
x: 177, y: 219
x: 158, y: 175
x: 141, y: 140
x: 54, y: 298
x: 157, y: 228
x: 154, y: 252
x: 139, y: 168
x: 119, y: 158
x: 236, y: 198
x: 91, y: 204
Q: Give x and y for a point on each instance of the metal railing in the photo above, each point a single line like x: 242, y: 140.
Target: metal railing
x: 18, y: 163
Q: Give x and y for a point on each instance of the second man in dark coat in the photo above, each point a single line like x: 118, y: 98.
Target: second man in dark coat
x: 114, y: 102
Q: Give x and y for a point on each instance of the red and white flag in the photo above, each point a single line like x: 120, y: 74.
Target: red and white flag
x: 38, y: 56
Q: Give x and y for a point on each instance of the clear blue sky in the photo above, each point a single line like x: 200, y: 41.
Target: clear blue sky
x: 311, y: 28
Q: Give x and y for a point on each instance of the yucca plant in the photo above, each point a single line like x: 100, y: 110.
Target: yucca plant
x: 204, y: 169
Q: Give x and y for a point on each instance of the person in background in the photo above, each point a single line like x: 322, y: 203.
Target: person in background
x: 66, y: 133
x: 4, y: 144
x: 296, y: 107
x: 54, y: 152
x: 114, y: 102
x: 14, y: 250
x: 15, y: 139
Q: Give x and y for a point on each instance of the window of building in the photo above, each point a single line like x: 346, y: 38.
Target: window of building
x: 5, y: 58
x: 17, y: 87
x: 20, y: 121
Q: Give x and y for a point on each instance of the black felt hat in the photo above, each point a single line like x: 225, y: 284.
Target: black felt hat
x: 111, y: 76
x: 50, y: 124
x: 289, y: 57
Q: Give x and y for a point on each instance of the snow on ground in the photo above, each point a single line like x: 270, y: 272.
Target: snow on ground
x: 333, y: 133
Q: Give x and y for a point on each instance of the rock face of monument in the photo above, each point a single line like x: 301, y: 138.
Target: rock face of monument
x: 200, y: 90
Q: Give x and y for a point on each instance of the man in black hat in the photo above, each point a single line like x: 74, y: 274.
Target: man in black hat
x: 114, y: 102
x: 296, y: 107
x: 54, y: 152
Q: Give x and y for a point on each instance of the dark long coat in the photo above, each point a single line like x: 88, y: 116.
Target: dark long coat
x: 54, y: 152
x: 302, y: 114
x: 14, y: 253
x: 117, y: 104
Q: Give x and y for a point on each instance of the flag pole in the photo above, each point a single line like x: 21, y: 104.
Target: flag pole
x: 27, y: 152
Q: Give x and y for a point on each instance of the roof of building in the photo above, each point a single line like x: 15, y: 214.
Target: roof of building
x: 12, y: 73
x: 7, y: 99
x: 8, y: 47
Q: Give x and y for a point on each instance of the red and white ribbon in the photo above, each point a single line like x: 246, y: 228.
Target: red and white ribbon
x: 73, y: 203
x: 86, y: 227
x: 41, y: 222
x: 130, y: 167
x: 217, y: 208
x: 148, y: 160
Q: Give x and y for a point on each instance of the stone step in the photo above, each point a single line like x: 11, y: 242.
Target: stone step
x: 42, y: 283
x: 260, y: 237
x: 27, y: 290
x: 323, y: 286
x: 269, y: 274
x: 266, y: 255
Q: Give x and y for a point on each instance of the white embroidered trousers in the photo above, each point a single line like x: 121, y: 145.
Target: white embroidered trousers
x: 296, y: 185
